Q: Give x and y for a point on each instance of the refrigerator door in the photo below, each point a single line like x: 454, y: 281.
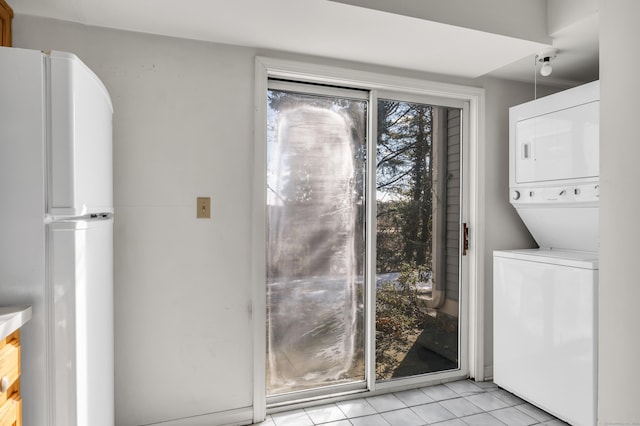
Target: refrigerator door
x: 80, y: 145
x: 545, y: 332
x: 81, y: 285
x: 22, y: 231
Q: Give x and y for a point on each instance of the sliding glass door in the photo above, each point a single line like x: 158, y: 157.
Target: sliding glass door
x: 315, y: 237
x: 362, y: 269
x: 417, y: 238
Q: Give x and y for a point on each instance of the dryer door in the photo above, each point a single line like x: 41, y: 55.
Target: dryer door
x: 556, y: 146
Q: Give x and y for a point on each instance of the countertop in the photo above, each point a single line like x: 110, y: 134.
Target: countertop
x: 12, y: 318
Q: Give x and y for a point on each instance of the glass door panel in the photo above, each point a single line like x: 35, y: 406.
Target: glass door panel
x: 315, y: 240
x: 417, y: 239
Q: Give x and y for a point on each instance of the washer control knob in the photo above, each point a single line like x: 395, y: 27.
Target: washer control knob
x: 516, y: 195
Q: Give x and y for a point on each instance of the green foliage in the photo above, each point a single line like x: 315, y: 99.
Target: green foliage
x: 399, y: 315
x: 404, y: 176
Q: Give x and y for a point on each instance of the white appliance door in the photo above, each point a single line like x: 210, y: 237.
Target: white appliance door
x: 22, y: 194
x: 81, y: 274
x: 80, y: 151
x: 558, y: 145
x: 545, y: 336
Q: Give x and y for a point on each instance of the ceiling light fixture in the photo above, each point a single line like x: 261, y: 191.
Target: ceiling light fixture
x: 546, y: 69
x: 545, y: 57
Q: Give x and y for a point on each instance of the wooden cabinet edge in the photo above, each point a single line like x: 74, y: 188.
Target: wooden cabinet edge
x: 11, y: 412
x: 6, y: 15
x: 11, y: 408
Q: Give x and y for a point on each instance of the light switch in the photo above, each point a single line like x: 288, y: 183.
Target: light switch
x: 204, y: 208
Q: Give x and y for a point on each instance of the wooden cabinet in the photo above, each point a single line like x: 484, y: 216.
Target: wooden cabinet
x: 6, y: 15
x: 10, y: 402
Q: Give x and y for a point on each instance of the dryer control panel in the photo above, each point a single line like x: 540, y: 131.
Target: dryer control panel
x: 570, y: 194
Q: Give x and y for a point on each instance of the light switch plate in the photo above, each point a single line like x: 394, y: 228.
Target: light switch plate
x: 203, y: 205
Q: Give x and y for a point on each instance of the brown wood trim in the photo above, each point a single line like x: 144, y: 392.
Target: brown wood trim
x: 6, y: 15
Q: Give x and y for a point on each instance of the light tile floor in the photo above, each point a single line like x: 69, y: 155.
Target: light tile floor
x: 460, y: 403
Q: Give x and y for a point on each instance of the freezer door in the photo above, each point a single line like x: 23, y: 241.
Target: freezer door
x: 80, y: 145
x: 81, y: 287
x: 545, y: 336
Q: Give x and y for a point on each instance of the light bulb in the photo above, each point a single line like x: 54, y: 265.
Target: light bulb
x: 546, y: 69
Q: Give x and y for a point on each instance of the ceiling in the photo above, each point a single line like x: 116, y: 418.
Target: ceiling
x: 402, y: 33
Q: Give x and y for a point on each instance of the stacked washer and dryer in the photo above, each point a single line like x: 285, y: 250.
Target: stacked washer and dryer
x: 545, y: 299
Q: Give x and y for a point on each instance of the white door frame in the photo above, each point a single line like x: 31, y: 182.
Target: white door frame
x: 266, y: 68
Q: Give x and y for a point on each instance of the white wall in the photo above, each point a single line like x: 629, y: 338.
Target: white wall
x: 183, y: 127
x: 565, y: 13
x: 619, y: 299
x: 503, y: 228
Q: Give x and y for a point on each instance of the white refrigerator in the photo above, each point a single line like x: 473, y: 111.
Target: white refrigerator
x: 56, y: 233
